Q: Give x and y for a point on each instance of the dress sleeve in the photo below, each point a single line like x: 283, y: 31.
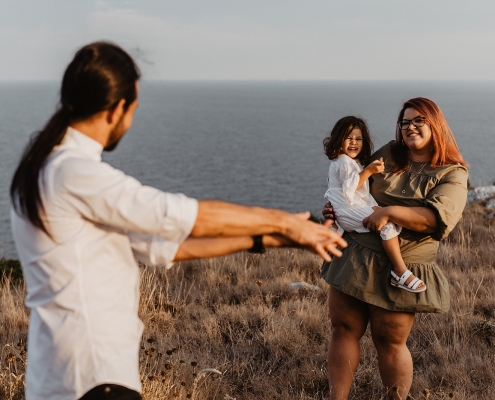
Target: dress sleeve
x: 447, y: 200
x: 349, y: 177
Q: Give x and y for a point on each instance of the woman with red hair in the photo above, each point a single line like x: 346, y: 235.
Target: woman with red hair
x: 422, y: 189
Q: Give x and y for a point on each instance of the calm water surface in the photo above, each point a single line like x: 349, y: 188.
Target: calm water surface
x: 249, y: 142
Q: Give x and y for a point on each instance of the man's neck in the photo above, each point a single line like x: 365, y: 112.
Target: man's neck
x: 96, y: 127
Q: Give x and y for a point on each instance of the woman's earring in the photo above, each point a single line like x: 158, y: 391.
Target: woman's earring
x: 403, y: 143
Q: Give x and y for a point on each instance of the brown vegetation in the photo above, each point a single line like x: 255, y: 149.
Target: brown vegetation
x: 238, y: 315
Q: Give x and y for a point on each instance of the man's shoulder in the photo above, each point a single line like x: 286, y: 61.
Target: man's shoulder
x: 69, y: 165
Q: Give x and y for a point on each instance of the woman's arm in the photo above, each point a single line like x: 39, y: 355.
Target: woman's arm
x: 419, y: 219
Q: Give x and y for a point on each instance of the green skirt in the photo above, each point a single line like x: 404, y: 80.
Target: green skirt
x: 364, y: 269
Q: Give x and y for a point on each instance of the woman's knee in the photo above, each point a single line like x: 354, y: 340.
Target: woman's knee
x: 347, y: 329
x: 348, y: 315
x: 390, y: 330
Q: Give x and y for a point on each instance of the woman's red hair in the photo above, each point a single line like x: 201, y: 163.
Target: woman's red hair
x: 445, y: 150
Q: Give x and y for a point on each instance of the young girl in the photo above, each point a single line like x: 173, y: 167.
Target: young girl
x: 349, y: 147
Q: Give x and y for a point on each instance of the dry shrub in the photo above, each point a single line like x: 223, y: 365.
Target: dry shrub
x: 238, y: 315
x: 14, y: 319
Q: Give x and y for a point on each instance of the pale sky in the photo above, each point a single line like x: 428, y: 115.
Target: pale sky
x: 256, y: 39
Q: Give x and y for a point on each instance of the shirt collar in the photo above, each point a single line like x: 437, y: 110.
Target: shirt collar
x: 75, y: 139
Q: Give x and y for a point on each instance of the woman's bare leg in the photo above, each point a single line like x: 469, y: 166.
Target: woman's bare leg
x: 390, y: 330
x: 349, y: 318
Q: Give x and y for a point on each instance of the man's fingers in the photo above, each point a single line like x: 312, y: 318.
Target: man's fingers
x: 321, y: 252
x: 324, y: 248
x: 332, y: 248
x: 328, y: 223
x: 303, y: 215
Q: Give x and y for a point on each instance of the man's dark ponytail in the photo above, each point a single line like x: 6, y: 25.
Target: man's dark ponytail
x: 99, y: 76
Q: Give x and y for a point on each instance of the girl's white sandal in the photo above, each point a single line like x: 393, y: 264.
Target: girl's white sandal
x: 399, y: 281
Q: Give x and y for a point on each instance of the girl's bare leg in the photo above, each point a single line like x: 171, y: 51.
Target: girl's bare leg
x: 392, y: 249
x: 390, y: 330
x: 349, y: 318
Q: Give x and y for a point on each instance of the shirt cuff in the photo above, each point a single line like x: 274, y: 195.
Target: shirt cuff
x: 180, y: 217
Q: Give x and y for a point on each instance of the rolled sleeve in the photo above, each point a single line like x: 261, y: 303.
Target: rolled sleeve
x: 153, y: 250
x: 447, y: 200
x: 181, y: 215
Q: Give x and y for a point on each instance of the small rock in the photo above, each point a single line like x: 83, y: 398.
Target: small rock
x: 298, y: 285
x: 481, y: 193
x: 490, y: 203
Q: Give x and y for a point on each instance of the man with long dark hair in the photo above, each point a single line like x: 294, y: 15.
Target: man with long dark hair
x: 78, y: 223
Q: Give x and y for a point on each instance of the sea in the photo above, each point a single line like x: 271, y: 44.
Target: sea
x: 253, y: 143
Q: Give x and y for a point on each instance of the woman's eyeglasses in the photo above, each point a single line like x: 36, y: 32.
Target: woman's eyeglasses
x: 418, y: 122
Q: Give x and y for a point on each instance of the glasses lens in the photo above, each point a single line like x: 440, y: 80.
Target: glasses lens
x: 418, y: 122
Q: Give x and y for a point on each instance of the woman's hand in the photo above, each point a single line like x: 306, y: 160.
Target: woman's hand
x: 328, y: 214
x: 376, y: 221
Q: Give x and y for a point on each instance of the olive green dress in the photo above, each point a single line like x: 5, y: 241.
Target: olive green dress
x: 363, y: 271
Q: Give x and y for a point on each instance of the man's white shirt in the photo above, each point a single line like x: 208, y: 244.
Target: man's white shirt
x: 83, y: 281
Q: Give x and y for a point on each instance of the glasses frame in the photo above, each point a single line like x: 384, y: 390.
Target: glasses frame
x: 411, y: 121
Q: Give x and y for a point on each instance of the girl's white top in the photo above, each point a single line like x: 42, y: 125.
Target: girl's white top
x: 350, y: 203
x: 83, y: 281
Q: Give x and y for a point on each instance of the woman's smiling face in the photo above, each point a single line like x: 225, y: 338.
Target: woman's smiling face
x: 353, y: 144
x: 418, y: 140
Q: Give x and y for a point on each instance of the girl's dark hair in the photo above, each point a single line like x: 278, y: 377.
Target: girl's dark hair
x: 332, y: 144
x: 445, y: 150
x: 99, y: 76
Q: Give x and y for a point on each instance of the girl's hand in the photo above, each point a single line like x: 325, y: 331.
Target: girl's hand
x: 376, y: 221
x: 376, y: 166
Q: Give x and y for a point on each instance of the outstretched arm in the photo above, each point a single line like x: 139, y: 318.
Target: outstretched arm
x: 221, y: 219
x: 212, y: 247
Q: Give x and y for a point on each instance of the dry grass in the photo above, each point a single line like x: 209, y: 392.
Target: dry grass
x: 237, y: 314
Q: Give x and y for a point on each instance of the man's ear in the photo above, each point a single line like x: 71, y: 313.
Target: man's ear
x: 114, y: 114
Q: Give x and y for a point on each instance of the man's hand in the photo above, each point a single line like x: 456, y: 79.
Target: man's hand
x: 315, y: 237
x: 221, y: 219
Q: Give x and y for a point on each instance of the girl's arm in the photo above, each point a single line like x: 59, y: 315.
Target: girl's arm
x: 374, y: 167
x: 419, y: 219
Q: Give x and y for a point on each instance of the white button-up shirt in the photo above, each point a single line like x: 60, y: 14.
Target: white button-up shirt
x: 83, y: 282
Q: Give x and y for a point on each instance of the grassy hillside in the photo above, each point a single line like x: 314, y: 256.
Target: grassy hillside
x: 238, y: 315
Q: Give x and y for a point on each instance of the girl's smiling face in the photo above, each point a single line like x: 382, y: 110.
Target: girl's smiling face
x: 353, y: 144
